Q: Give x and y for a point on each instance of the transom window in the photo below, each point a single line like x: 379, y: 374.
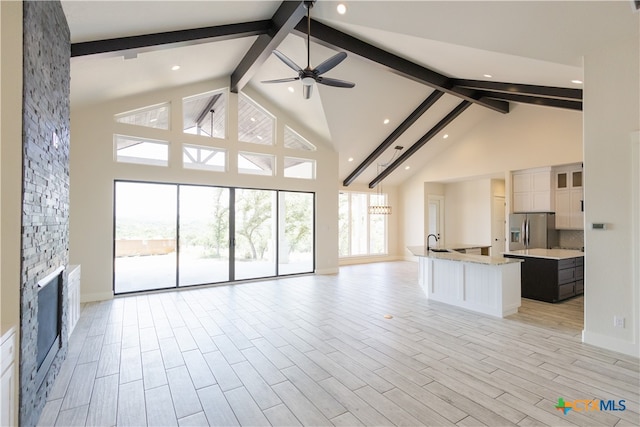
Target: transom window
x: 299, y: 168
x: 256, y: 164
x: 204, y: 158
x: 130, y: 149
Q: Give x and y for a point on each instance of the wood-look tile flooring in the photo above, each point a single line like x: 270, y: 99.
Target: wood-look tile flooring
x: 318, y: 350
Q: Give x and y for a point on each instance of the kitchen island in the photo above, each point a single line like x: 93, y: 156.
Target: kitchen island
x: 550, y: 275
x: 488, y: 285
x: 467, y: 248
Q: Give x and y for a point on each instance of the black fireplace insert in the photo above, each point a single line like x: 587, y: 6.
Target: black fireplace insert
x: 49, y: 322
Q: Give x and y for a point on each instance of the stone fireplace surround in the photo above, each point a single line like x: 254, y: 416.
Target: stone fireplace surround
x: 45, y: 189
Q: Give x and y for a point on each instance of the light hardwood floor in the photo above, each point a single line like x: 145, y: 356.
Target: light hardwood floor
x: 318, y: 350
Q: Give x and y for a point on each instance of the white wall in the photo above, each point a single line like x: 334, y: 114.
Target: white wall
x: 611, y: 124
x: 468, y: 212
x: 93, y: 172
x: 527, y: 137
x: 10, y: 172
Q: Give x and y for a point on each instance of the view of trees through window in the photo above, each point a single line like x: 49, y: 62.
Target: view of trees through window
x: 170, y: 235
x: 361, y: 233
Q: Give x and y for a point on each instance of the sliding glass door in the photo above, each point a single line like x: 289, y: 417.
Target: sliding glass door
x: 145, y: 236
x: 295, y: 233
x: 169, y: 235
x: 204, y: 235
x: 255, y: 232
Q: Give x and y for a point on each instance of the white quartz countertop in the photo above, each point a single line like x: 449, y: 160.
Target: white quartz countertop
x: 457, y: 256
x: 457, y: 246
x: 547, y: 253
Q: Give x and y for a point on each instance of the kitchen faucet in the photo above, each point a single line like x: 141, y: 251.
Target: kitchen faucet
x: 436, y: 237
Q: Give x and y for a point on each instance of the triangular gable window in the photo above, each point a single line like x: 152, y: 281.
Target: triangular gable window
x: 153, y: 116
x: 206, y: 114
x: 255, y: 124
x: 294, y: 141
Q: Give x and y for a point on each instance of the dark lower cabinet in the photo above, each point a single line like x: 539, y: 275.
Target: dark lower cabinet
x: 551, y: 280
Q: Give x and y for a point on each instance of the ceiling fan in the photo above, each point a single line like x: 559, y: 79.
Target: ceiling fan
x: 309, y: 76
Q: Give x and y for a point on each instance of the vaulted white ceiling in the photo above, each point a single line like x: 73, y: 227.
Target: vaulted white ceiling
x: 537, y: 42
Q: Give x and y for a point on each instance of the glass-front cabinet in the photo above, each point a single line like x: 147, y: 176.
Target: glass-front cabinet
x: 569, y: 197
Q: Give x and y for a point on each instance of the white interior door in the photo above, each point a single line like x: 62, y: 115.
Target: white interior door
x: 498, y: 226
x: 435, y: 220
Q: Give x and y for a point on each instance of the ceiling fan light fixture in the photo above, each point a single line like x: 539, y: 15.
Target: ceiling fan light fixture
x: 309, y: 75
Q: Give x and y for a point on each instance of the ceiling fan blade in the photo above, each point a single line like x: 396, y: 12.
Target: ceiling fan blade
x: 334, y: 82
x: 287, y: 61
x: 330, y: 63
x: 289, y: 79
x: 306, y: 91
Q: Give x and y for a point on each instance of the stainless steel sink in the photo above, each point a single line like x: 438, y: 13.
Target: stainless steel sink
x: 439, y: 250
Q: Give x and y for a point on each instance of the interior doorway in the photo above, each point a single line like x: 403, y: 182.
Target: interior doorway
x: 498, y: 226
x: 435, y: 217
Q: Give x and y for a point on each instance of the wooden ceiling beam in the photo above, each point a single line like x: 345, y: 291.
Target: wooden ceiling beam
x: 421, y: 142
x: 169, y: 39
x: 522, y: 89
x: 406, y: 124
x: 332, y: 38
x: 288, y: 15
x: 535, y: 100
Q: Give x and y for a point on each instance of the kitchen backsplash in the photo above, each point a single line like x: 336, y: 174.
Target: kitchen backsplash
x: 571, y: 239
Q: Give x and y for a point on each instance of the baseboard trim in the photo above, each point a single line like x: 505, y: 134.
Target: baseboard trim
x: 369, y: 259
x: 97, y: 296
x: 332, y: 270
x: 609, y: 343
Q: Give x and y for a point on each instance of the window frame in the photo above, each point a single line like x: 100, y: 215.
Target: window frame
x: 203, y: 166
x: 349, y: 222
x: 140, y: 160
x: 222, y: 92
x: 312, y: 162
x: 274, y: 124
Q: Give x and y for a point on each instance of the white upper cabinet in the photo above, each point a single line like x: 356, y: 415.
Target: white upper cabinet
x: 569, y: 197
x: 532, y: 190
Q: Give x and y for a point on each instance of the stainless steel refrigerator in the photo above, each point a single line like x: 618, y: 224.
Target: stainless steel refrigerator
x: 532, y: 230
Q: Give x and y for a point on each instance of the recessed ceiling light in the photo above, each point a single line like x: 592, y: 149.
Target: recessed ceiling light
x: 350, y: 159
x: 260, y: 138
x: 488, y: 76
x: 253, y: 119
x: 576, y: 81
x: 175, y: 68
x: 445, y: 136
x: 342, y: 9
x: 291, y: 89
x: 407, y: 168
x: 386, y: 121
